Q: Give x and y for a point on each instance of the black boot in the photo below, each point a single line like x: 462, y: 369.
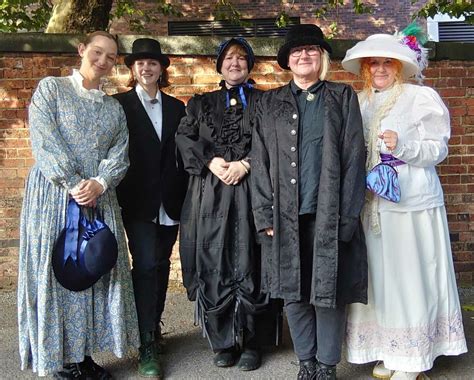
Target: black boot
x: 325, y: 372
x: 93, y: 371
x: 250, y: 359
x: 70, y: 371
x: 308, y: 369
x: 225, y: 358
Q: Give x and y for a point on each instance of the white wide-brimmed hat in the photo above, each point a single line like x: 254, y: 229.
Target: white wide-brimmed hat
x: 382, y: 45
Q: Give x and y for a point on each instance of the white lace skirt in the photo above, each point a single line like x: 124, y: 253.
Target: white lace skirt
x: 413, y: 314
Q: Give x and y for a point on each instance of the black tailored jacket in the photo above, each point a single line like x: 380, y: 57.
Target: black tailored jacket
x: 339, y: 274
x: 156, y: 174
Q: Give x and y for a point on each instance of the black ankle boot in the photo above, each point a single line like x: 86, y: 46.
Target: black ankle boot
x: 93, y: 371
x: 71, y: 371
x: 325, y: 372
x: 250, y: 359
x: 307, y: 370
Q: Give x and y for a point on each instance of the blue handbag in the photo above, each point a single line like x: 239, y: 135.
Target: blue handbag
x: 382, y: 179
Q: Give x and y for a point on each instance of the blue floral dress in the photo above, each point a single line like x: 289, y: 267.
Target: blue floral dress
x: 75, y: 134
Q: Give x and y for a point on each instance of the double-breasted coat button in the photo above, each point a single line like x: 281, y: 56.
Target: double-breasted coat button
x: 293, y: 164
x: 293, y: 132
x: 293, y: 149
x: 295, y: 116
x: 293, y: 181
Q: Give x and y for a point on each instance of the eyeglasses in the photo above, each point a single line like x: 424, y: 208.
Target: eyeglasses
x: 310, y: 50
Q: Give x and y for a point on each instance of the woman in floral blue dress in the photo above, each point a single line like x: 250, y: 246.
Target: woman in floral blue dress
x: 79, y: 139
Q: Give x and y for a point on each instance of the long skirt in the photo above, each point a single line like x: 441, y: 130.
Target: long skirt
x: 413, y: 314
x: 58, y: 326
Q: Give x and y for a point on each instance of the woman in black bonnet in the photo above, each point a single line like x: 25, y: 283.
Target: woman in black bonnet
x: 219, y: 255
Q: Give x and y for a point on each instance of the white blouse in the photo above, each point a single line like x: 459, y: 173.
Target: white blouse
x: 422, y: 123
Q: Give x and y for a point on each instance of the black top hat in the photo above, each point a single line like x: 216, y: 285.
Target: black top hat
x: 146, y: 48
x: 235, y: 41
x: 84, y: 251
x: 301, y: 35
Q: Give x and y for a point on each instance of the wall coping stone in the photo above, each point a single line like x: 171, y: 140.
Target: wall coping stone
x: 202, y: 46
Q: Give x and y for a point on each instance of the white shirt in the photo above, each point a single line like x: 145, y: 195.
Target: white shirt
x: 421, y: 121
x: 154, y: 111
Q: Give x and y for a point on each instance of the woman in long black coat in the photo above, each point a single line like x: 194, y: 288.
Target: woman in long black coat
x: 308, y: 181
x: 219, y: 255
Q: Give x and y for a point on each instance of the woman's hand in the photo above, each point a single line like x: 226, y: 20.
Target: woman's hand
x: 269, y: 231
x: 390, y: 139
x: 218, y: 166
x: 234, y: 173
x: 231, y: 173
x: 87, y: 192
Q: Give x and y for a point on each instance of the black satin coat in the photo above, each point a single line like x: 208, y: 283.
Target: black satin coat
x: 339, y: 273
x: 219, y: 255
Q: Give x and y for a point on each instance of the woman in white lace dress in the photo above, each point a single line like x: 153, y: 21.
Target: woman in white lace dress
x: 79, y: 138
x: 413, y: 314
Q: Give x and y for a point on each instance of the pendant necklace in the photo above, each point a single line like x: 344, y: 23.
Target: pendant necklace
x: 309, y: 96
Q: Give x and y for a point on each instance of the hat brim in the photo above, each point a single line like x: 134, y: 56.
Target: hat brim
x: 284, y: 51
x: 163, y: 59
x: 353, y: 64
x: 381, y: 45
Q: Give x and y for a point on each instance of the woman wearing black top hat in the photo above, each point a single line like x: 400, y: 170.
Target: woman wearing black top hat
x: 308, y: 159
x: 219, y: 255
x: 152, y: 192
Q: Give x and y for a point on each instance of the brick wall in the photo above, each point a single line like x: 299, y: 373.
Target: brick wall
x: 20, y: 72
x: 387, y: 16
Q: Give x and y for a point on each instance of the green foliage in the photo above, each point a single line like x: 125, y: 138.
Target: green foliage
x: 225, y: 10
x: 468, y: 307
x: 452, y: 8
x: 13, y: 16
x: 137, y: 18
x: 358, y: 6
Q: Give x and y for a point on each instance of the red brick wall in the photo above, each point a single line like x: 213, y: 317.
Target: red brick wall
x: 388, y: 15
x: 19, y: 74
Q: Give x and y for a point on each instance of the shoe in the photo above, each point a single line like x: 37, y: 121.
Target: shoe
x: 381, y: 372
x: 400, y: 375
x: 249, y: 360
x: 308, y: 369
x: 71, y: 371
x: 149, y: 360
x: 325, y: 372
x: 225, y: 358
x: 93, y: 371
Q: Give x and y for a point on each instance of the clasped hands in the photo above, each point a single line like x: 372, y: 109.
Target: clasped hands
x: 86, y: 192
x: 231, y: 173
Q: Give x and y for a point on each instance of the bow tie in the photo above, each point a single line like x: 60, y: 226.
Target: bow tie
x: 154, y: 101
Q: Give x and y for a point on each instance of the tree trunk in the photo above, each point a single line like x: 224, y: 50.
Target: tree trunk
x: 79, y: 16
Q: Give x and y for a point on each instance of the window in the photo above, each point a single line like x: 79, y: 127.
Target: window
x: 443, y: 28
x: 253, y: 28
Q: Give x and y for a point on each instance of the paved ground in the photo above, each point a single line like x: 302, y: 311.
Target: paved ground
x: 189, y: 356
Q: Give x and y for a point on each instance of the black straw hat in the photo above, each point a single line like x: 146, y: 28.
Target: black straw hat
x: 146, y: 48
x: 301, y: 35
